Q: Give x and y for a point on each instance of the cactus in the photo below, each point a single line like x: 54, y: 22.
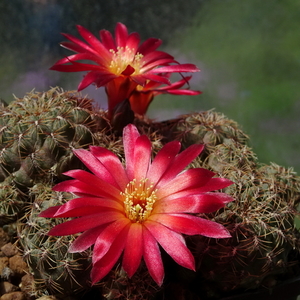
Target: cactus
x: 37, y: 136
x: 263, y: 249
x: 36, y: 148
x: 55, y: 270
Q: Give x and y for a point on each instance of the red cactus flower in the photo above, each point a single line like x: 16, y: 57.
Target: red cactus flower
x: 134, y: 209
x: 119, y: 64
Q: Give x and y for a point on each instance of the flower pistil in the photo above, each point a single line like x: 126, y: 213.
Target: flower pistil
x: 138, y: 200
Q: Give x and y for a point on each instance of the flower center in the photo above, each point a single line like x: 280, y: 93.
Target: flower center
x: 139, y: 199
x: 124, y: 57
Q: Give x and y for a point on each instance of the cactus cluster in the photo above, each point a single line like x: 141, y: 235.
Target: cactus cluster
x: 37, y: 136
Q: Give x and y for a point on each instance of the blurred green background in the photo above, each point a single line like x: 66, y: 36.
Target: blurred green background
x: 248, y: 52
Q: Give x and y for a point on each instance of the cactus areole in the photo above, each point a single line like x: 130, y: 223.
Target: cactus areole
x: 136, y: 208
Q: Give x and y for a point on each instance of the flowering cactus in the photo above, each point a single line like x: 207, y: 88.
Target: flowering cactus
x: 124, y: 67
x: 141, y: 205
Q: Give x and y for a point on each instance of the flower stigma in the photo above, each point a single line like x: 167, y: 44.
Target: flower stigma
x: 139, y: 199
x: 124, y: 57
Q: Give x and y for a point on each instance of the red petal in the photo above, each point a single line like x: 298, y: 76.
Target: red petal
x: 86, y: 239
x: 80, y: 206
x: 95, y: 43
x: 79, y: 187
x: 192, y: 178
x: 108, y: 40
x: 99, y: 78
x: 181, y: 161
x: 104, y: 265
x: 191, y: 225
x: 107, y: 237
x: 142, y: 157
x: 162, y: 161
x: 133, y: 249
x: 83, y: 45
x: 173, y: 243
x: 133, y: 41
x: 203, y: 203
x: 176, y: 68
x: 93, y: 180
x: 149, y: 46
x: 112, y: 163
x: 155, y: 56
x: 157, y: 78
x: 130, y: 134
x: 149, y: 67
x: 215, y: 184
x: 152, y: 257
x: 84, y: 223
x: 49, y: 212
x: 184, y: 92
x: 121, y: 35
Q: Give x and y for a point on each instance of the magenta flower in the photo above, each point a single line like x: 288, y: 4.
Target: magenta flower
x: 134, y: 209
x: 120, y: 64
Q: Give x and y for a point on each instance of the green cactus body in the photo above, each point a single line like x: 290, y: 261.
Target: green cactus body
x: 55, y: 270
x: 37, y: 135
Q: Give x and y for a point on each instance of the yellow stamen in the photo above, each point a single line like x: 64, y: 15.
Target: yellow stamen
x: 139, y: 199
x: 124, y: 57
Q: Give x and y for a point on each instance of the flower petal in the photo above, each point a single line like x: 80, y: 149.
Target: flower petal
x: 191, y: 225
x: 93, y: 180
x: 95, y: 165
x: 130, y: 135
x: 192, y: 178
x: 163, y: 160
x: 176, y: 68
x: 202, y: 203
x: 173, y: 243
x: 107, y: 237
x: 152, y: 257
x: 104, y: 265
x: 84, y: 223
x: 86, y: 239
x: 142, y: 157
x: 181, y: 161
x: 121, y: 35
x: 149, y: 46
x: 113, y: 165
x: 133, y: 249
x: 81, y: 206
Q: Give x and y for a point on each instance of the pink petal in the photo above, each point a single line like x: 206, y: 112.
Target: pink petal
x: 181, y: 161
x: 86, y: 239
x: 203, y: 203
x: 99, y: 78
x: 112, y: 163
x: 163, y: 160
x: 104, y: 265
x: 94, y: 165
x: 184, y: 92
x: 215, y: 184
x: 49, y: 212
x: 192, y: 178
x: 133, y: 249
x: 133, y: 41
x: 74, y: 67
x: 149, y: 67
x: 152, y: 257
x: 130, y: 134
x: 149, y: 46
x: 191, y: 225
x: 80, y: 43
x: 155, y: 56
x: 156, y: 78
x: 79, y: 206
x: 95, y: 43
x: 121, y: 35
x: 94, y: 181
x: 173, y: 243
x: 84, y: 223
x: 107, y: 237
x: 142, y: 157
x: 176, y: 68
x: 107, y: 40
x: 80, y: 188
x: 83, y: 56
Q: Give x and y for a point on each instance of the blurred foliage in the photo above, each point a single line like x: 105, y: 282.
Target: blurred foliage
x: 249, y: 54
